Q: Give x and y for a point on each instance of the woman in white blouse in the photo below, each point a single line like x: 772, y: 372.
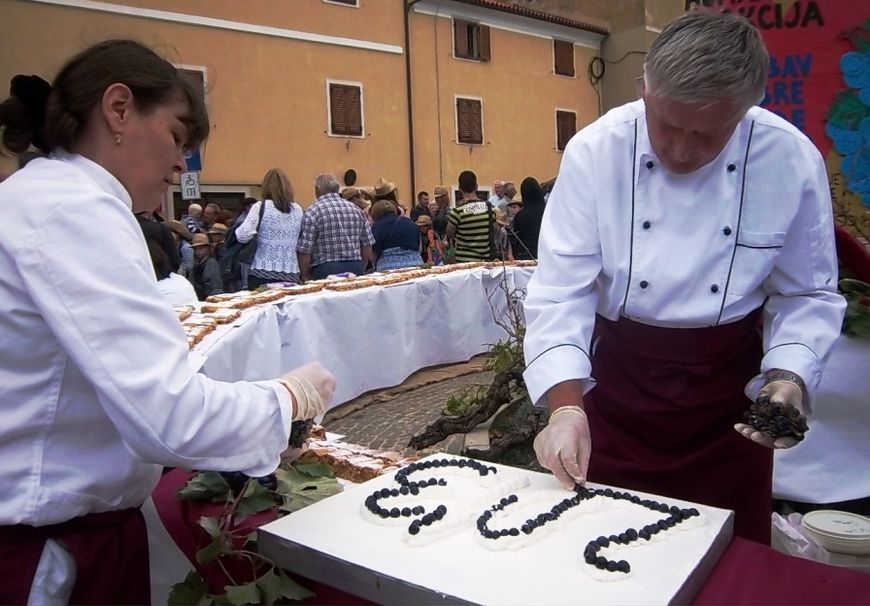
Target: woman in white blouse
x: 277, y: 232
x: 96, y: 389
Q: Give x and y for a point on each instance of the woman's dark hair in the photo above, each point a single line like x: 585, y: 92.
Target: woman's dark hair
x: 531, y: 192
x: 55, y: 116
x: 159, y: 258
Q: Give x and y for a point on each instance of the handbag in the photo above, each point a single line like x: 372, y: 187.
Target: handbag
x: 249, y: 249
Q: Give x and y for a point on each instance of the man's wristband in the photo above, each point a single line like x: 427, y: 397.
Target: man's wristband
x: 775, y: 375
x: 574, y: 409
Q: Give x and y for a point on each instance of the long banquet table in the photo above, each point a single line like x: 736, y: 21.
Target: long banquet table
x: 369, y: 338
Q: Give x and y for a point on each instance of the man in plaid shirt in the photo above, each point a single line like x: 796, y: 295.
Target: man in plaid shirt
x: 335, y: 236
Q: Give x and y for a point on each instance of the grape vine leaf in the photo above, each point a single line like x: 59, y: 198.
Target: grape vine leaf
x: 205, y: 486
x: 315, y: 470
x: 255, y: 499
x: 193, y: 590
x: 248, y: 593
x: 211, y: 525
x: 292, y: 590
x: 301, y: 489
x: 270, y: 586
x: 211, y: 551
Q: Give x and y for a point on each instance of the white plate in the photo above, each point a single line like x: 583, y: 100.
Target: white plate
x: 839, y: 531
x: 838, y: 524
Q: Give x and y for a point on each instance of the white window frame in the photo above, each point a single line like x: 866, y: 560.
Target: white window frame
x: 456, y: 121
x: 344, y: 4
x: 556, y: 124
x: 362, y: 109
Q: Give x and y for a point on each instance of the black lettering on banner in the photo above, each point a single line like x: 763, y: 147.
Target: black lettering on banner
x: 769, y: 15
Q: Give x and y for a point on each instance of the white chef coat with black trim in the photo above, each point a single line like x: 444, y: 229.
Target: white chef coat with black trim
x: 622, y: 236
x: 95, y: 389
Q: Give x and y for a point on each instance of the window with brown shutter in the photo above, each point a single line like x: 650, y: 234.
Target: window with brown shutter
x: 563, y: 58
x: 470, y: 40
x: 469, y: 121
x: 566, y: 127
x: 345, y: 110
x: 345, y: 2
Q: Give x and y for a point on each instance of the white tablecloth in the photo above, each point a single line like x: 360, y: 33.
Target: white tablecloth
x: 832, y: 464
x: 370, y: 338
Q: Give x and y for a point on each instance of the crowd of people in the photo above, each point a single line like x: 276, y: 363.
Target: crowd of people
x: 345, y: 230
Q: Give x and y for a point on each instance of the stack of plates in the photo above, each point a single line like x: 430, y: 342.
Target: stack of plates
x: 839, y: 531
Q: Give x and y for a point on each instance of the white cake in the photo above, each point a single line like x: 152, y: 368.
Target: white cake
x: 456, y: 557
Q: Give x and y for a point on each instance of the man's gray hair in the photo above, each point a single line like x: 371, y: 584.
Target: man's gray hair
x: 705, y: 55
x: 326, y: 183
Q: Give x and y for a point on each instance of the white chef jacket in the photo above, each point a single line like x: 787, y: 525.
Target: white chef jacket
x: 95, y: 390
x: 624, y: 237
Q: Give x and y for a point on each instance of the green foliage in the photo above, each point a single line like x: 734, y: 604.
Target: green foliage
x: 302, y: 485
x: 298, y: 485
x: 856, y: 322
x: 255, y: 498
x: 461, y: 402
x: 205, y: 486
x: 193, y: 590
x: 504, y: 354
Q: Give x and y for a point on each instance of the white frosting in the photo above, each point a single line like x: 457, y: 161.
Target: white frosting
x: 467, y: 495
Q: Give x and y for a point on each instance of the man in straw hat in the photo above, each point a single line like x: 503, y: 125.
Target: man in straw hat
x: 431, y: 246
x: 206, y: 274
x: 677, y: 224
x: 438, y: 210
x: 355, y: 195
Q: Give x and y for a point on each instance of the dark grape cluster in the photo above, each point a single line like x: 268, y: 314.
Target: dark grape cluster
x: 299, y: 432
x: 776, y: 420
x: 237, y: 480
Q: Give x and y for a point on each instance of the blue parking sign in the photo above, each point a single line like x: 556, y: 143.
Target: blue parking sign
x: 193, y: 159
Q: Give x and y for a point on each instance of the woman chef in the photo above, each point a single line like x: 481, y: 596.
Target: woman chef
x: 95, y: 387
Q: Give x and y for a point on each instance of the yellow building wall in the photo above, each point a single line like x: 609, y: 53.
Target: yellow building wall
x: 266, y: 95
x: 519, y: 92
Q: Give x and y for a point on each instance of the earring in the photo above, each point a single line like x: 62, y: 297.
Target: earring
x: 118, y: 138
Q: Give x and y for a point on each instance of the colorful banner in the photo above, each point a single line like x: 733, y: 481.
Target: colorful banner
x: 819, y: 80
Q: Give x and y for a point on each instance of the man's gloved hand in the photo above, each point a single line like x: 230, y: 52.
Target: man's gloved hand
x: 564, y: 445
x: 784, y: 389
x: 312, y: 387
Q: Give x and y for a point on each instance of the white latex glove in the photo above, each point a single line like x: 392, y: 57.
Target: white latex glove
x: 312, y: 387
x: 780, y: 391
x: 564, y: 446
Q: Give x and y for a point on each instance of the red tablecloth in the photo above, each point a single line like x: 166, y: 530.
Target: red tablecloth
x: 747, y: 573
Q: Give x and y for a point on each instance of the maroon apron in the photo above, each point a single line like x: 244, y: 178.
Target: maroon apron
x: 110, y: 551
x: 663, y: 412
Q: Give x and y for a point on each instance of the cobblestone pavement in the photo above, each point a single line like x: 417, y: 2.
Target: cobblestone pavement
x: 386, y: 420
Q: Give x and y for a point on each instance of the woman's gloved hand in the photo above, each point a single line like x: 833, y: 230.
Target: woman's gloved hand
x: 782, y: 389
x: 564, y: 445
x: 311, y: 386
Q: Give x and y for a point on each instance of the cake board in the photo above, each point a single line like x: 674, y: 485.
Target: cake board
x: 338, y: 543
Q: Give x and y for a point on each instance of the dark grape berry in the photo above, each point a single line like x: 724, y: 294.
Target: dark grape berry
x: 269, y: 482
x: 235, y: 479
x: 299, y: 432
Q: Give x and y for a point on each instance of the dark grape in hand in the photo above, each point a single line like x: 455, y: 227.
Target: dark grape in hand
x: 776, y: 420
x: 299, y: 432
